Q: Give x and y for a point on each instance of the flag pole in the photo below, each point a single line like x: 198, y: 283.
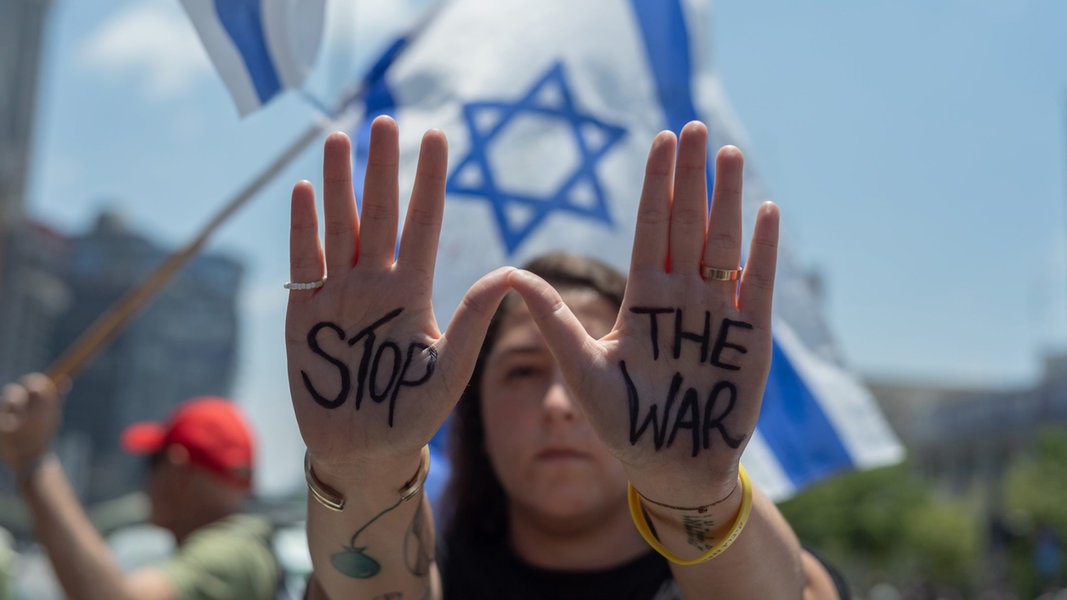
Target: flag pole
x: 108, y: 324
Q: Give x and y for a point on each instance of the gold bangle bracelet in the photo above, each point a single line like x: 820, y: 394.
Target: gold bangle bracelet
x: 335, y: 501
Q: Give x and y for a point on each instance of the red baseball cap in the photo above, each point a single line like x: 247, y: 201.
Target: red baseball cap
x: 212, y: 429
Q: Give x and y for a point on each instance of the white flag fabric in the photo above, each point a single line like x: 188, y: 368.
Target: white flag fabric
x: 550, y: 108
x: 259, y: 47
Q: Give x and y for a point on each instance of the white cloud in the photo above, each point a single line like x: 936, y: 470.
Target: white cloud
x: 375, y: 16
x: 152, y: 40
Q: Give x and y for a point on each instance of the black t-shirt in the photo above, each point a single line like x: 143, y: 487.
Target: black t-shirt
x: 478, y: 571
x: 492, y: 571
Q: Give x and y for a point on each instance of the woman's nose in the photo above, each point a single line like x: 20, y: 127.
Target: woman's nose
x: 558, y: 402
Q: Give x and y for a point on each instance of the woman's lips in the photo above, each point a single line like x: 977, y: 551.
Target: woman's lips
x: 560, y: 453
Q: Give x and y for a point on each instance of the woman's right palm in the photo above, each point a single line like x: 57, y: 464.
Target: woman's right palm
x: 370, y: 374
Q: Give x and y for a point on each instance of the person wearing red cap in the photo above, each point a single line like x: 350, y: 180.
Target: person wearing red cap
x: 199, y: 477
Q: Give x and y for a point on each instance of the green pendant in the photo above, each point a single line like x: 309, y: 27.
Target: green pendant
x: 353, y: 562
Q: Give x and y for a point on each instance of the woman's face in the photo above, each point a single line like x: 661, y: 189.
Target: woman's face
x: 551, y: 464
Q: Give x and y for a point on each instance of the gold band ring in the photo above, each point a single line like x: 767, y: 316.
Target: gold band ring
x: 720, y: 274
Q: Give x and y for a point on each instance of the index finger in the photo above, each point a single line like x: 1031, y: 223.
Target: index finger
x: 652, y: 231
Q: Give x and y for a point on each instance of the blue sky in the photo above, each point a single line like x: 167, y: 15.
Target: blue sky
x: 918, y: 151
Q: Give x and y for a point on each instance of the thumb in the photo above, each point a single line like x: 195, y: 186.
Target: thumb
x: 565, y: 335
x: 466, y: 330
x: 13, y: 401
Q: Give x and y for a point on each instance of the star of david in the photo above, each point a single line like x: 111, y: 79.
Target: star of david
x: 518, y: 213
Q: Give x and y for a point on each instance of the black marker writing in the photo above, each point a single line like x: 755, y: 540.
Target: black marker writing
x: 700, y: 423
x: 313, y: 343
x: 681, y: 408
x: 721, y: 342
x: 701, y: 337
x: 368, y: 336
x: 651, y: 419
x: 383, y: 368
x: 653, y: 325
x: 715, y: 422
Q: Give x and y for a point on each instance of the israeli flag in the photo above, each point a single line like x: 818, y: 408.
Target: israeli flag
x: 259, y: 47
x: 550, y: 108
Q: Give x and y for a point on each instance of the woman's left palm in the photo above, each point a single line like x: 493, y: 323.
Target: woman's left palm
x: 674, y: 390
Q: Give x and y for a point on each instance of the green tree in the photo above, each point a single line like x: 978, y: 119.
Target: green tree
x: 1034, y: 497
x: 888, y: 524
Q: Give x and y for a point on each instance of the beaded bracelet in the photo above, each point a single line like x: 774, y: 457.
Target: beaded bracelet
x: 697, y: 509
x: 333, y: 500
x: 638, y: 515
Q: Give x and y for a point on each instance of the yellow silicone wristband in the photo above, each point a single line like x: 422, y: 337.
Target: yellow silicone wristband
x: 638, y: 515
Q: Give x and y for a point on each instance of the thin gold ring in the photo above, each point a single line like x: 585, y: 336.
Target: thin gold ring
x: 720, y: 274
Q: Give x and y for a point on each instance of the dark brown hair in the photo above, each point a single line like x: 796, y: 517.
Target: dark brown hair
x: 474, y: 501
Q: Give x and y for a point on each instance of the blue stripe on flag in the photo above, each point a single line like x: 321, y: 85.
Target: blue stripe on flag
x: 243, y: 21
x: 378, y: 100
x: 795, y: 427
x: 792, y: 421
x: 667, y: 45
x: 377, y: 71
x: 666, y: 38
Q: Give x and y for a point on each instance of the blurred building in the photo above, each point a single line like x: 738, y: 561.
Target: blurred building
x: 54, y: 285
x: 183, y: 343
x: 963, y: 438
x: 32, y: 296
x: 21, y: 34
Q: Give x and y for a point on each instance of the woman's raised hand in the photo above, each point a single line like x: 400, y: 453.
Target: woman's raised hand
x: 371, y: 376
x: 674, y: 389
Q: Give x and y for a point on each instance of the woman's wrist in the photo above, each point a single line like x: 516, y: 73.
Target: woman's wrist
x: 714, y: 509
x: 691, y: 534
x: 364, y: 481
x: 29, y: 468
x: 682, y: 488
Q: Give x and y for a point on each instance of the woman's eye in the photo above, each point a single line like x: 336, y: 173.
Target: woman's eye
x: 521, y: 372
